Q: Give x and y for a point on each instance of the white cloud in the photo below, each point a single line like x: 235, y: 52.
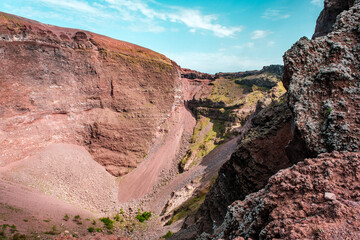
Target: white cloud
x: 138, y: 11
x: 73, y: 5
x: 260, y: 34
x: 270, y: 43
x: 218, y: 62
x: 195, y: 20
x: 246, y: 45
x: 274, y: 14
x: 317, y: 2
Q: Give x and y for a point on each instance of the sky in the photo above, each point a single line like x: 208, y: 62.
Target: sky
x: 204, y: 35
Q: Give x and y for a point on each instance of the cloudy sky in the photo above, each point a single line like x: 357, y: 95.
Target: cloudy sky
x: 205, y: 35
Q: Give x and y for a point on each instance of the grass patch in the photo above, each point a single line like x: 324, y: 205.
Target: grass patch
x: 108, y: 223
x: 142, y: 217
x: 53, y: 231
x: 66, y: 217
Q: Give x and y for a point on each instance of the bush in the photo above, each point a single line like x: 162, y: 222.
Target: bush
x: 91, y: 229
x: 143, y: 217
x: 117, y: 218
x: 108, y: 223
x: 168, y: 234
x: 66, y: 217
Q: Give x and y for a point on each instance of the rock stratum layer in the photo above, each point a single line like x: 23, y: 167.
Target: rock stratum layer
x: 73, y: 86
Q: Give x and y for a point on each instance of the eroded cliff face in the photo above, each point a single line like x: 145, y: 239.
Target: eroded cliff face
x: 73, y: 86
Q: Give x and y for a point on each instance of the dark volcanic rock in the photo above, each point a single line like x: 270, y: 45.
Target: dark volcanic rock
x: 327, y: 18
x: 316, y: 199
x: 323, y: 81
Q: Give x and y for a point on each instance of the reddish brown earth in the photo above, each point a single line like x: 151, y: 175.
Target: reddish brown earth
x: 315, y: 199
x: 82, y: 88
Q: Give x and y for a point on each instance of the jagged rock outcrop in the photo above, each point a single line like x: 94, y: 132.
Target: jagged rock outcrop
x: 260, y: 154
x: 316, y: 199
x: 327, y: 18
x: 322, y: 78
x: 73, y: 86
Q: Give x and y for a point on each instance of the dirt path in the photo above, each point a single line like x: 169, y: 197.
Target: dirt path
x: 207, y: 169
x: 141, y: 181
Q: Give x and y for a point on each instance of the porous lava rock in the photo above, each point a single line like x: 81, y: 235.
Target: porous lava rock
x: 323, y: 81
x: 73, y: 86
x: 294, y: 204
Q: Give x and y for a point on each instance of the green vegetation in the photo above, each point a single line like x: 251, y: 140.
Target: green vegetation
x: 118, y: 218
x: 99, y: 229
x: 91, y: 229
x: 18, y: 236
x: 108, y: 223
x: 227, y: 91
x: 13, y: 228
x: 53, y: 231
x: 77, y: 219
x: 168, y: 234
x: 188, y: 207
x: 66, y: 217
x: 206, y: 136
x: 191, y: 206
x: 142, y: 217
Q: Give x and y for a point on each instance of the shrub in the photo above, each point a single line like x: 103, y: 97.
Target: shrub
x: 99, y: 229
x: 66, y: 217
x: 143, y: 217
x: 108, y: 223
x: 91, y: 229
x: 117, y: 218
x: 168, y: 234
x: 18, y: 236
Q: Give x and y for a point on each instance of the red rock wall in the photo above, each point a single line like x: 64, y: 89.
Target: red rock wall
x: 72, y: 86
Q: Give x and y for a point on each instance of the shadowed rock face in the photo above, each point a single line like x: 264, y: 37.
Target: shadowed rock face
x: 327, y: 18
x: 259, y: 155
x: 68, y: 85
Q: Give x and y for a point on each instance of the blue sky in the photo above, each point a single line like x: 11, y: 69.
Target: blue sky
x: 204, y: 35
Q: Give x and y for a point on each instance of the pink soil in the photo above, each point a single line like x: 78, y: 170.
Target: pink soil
x: 23, y: 203
x: 141, y: 181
